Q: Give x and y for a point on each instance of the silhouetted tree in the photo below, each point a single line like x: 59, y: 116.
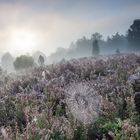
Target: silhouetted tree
x: 7, y: 61
x: 23, y: 62
x: 134, y: 35
x: 83, y: 47
x: 96, y: 36
x: 117, y: 51
x: 116, y: 40
x: 95, y: 49
x: 41, y: 60
x: 36, y: 56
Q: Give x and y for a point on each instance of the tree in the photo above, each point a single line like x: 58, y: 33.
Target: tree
x: 7, y: 61
x: 36, y: 56
x: 95, y: 48
x: 41, y: 60
x: 83, y: 47
x: 96, y: 36
x: 116, y: 40
x: 133, y: 35
x: 23, y: 62
x: 118, y: 51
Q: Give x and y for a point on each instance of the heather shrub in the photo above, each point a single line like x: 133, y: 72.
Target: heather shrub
x: 80, y: 133
x: 7, y: 112
x: 41, y: 123
x: 84, y: 98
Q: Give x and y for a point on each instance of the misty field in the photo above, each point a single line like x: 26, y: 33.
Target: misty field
x: 80, y: 99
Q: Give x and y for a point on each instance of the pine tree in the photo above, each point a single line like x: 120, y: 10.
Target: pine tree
x: 95, y: 48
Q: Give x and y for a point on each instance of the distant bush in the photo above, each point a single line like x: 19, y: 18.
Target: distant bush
x: 23, y: 62
x: 7, y: 61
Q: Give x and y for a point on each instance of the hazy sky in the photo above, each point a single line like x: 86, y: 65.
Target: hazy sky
x: 29, y: 25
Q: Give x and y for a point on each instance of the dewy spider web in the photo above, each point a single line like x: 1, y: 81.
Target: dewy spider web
x: 83, y: 102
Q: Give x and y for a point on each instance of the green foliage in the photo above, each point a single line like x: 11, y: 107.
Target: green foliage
x: 12, y: 114
x: 35, y: 136
x: 23, y: 62
x: 20, y: 118
x: 7, y: 112
x: 114, y: 126
x: 136, y: 118
x: 56, y: 135
x: 80, y: 133
x: 95, y: 131
x: 137, y: 101
x: 116, y: 129
x: 41, y: 123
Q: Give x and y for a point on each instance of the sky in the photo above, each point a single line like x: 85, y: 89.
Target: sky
x: 45, y: 25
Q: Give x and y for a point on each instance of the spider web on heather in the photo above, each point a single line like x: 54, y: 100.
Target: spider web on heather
x: 83, y: 102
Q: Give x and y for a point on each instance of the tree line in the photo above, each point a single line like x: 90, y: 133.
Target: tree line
x: 94, y: 46
x: 117, y: 43
x: 22, y: 62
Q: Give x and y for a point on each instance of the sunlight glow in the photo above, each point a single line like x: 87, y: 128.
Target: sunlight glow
x: 22, y: 42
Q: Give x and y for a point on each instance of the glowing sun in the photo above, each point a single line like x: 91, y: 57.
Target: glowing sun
x: 22, y: 42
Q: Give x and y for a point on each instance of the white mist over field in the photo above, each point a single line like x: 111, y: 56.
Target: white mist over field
x: 70, y: 69
x: 29, y: 26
